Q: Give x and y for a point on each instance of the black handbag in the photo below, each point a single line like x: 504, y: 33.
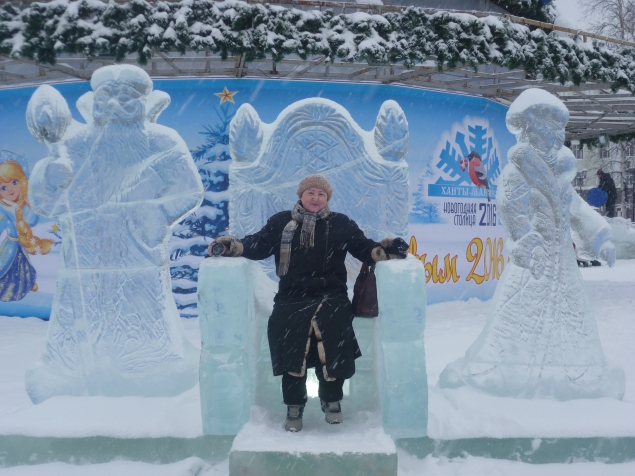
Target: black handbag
x: 365, y: 291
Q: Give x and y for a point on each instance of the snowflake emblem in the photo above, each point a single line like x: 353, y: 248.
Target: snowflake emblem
x: 473, y: 135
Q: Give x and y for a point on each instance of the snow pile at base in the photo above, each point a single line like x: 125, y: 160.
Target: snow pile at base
x: 187, y: 467
x: 466, y: 413
x: 68, y: 416
x: 408, y: 466
x: 472, y: 466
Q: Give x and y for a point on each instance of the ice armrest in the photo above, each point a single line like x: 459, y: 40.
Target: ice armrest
x: 226, y: 315
x: 403, y: 386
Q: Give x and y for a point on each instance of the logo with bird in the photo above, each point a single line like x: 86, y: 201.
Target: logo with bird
x: 468, y: 156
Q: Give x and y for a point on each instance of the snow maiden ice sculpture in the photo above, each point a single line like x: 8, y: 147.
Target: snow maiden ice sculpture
x: 541, y: 340
x: 116, y: 184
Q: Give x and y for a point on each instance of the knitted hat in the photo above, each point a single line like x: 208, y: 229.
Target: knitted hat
x: 318, y: 181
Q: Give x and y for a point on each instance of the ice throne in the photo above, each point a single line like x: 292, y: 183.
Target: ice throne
x: 370, y: 180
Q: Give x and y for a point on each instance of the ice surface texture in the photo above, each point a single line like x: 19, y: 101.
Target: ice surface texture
x: 227, y: 320
x: 367, y: 169
x: 116, y: 184
x: 540, y: 339
x: 402, y: 380
x: 236, y: 367
x: 623, y: 237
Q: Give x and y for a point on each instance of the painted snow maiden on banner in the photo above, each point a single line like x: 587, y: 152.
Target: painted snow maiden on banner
x: 311, y: 323
x: 17, y: 275
x: 541, y: 340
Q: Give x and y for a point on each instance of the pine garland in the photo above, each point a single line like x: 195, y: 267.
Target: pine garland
x: 538, y: 10
x: 232, y: 27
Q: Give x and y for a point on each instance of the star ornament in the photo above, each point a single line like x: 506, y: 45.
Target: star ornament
x: 226, y: 95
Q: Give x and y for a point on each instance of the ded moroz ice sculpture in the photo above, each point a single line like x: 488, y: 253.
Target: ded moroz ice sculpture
x: 541, y: 340
x: 115, y: 184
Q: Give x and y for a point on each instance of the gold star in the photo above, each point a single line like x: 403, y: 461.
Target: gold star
x: 226, y: 95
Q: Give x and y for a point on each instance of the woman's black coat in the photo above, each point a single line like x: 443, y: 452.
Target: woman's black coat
x: 316, y: 276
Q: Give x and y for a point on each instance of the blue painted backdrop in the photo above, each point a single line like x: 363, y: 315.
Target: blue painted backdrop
x: 454, y: 231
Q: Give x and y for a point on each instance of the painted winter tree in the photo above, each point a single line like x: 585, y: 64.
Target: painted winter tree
x: 423, y: 211
x: 192, y: 236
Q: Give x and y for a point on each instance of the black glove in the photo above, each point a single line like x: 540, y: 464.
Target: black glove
x: 397, y: 247
x: 232, y: 246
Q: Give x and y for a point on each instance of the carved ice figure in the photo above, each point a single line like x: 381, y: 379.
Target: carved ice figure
x: 318, y: 136
x: 623, y: 237
x: 116, y: 185
x: 541, y: 340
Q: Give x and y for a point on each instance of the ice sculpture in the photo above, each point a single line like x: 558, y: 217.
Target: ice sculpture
x: 541, y: 340
x: 236, y: 368
x: 317, y: 136
x: 116, y: 185
x: 623, y: 237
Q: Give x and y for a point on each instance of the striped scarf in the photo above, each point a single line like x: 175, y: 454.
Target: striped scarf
x: 308, y: 219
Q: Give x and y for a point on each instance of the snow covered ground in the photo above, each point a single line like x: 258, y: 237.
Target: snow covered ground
x: 408, y: 466
x: 451, y: 328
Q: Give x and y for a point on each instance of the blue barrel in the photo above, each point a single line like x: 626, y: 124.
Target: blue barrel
x: 597, y: 197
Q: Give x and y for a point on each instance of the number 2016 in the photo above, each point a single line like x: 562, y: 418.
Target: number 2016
x: 488, y: 218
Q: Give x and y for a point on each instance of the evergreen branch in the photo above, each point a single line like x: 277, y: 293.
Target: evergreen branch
x: 43, y: 31
x: 537, y: 10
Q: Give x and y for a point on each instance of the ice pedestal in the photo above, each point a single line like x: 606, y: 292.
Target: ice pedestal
x: 358, y: 447
x: 235, y: 369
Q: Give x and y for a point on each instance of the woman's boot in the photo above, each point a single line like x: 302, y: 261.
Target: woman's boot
x: 332, y: 412
x: 293, y: 421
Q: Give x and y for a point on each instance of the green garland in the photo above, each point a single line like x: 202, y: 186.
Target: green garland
x: 89, y: 27
x: 532, y: 9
